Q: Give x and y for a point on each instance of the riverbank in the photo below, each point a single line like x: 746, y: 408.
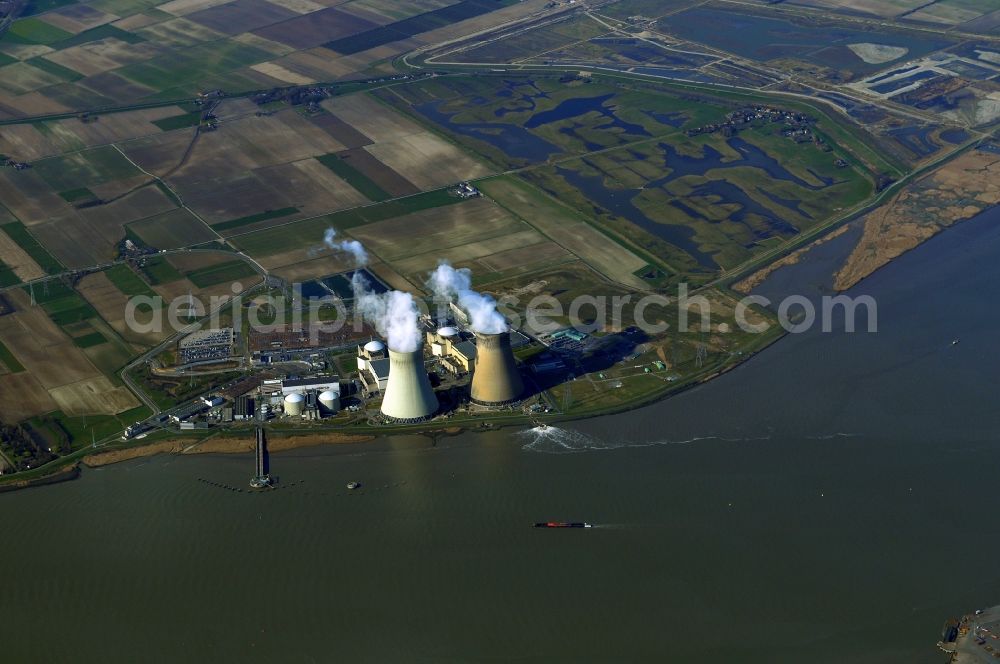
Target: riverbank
x: 64, y: 474
x: 221, y: 445
x: 286, y: 439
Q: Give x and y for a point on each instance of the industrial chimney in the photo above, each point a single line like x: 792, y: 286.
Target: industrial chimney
x: 408, y: 394
x: 496, y: 381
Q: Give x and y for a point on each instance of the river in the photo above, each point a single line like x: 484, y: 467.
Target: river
x: 829, y: 501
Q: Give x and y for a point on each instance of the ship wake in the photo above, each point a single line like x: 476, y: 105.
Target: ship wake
x: 554, y: 440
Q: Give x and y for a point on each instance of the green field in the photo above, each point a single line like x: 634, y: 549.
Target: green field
x: 77, y: 195
x: 17, y: 232
x: 69, y: 309
x: 159, y: 271
x: 191, y: 119
x: 88, y: 168
x: 354, y: 177
x: 34, y: 31
x: 50, y: 67
x: 33, y: 7
x: 84, y: 429
x: 7, y: 276
x: 90, y: 340
x: 171, y: 230
x: 9, y: 360
x: 128, y: 282
x: 106, y: 31
x: 255, y: 218
x: 221, y: 273
x: 199, y: 67
x: 63, y: 304
x: 310, y: 231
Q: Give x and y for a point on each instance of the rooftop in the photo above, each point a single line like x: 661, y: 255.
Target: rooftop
x: 380, y: 367
x: 310, y: 382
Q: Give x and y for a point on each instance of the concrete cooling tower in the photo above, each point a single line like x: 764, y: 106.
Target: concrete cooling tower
x: 496, y: 380
x: 408, y: 395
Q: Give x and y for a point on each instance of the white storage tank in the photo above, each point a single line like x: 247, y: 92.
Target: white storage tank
x: 294, y: 403
x: 329, y: 402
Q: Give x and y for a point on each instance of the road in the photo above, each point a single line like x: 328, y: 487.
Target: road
x: 164, y: 345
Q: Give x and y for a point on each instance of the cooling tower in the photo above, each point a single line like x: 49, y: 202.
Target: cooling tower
x: 496, y: 381
x: 408, y: 395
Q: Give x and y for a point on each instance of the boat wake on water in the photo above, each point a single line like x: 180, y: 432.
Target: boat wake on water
x: 553, y: 440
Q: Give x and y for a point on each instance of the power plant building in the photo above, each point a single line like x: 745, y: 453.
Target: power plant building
x: 408, y: 395
x: 311, y: 397
x: 317, y: 383
x: 457, y: 356
x: 373, y: 366
x: 496, y: 381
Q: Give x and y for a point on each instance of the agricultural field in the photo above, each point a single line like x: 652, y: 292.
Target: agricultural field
x: 53, y: 333
x: 257, y: 171
x: 403, y: 146
x: 75, y: 56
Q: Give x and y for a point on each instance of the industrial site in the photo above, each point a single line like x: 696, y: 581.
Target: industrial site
x: 214, y: 156
x: 680, y: 307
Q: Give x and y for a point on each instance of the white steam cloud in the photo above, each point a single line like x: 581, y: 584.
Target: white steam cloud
x: 451, y: 284
x: 393, y: 313
x: 352, y: 247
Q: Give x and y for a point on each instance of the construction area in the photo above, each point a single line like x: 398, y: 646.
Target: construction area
x: 975, y: 639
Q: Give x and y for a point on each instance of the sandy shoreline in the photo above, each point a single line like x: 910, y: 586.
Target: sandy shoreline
x: 221, y: 445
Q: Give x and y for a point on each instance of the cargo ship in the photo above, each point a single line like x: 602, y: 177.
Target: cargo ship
x: 563, y: 524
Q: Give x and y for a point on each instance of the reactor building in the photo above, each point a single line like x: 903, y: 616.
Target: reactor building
x: 496, y: 381
x: 408, y: 395
x: 294, y: 403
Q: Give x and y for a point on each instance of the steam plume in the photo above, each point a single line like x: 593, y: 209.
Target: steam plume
x: 352, y: 247
x: 393, y: 313
x: 451, y: 284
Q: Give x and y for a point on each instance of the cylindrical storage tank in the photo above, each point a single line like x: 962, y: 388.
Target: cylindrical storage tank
x: 496, y: 380
x: 329, y: 402
x: 294, y: 403
x: 408, y: 395
x: 374, y: 346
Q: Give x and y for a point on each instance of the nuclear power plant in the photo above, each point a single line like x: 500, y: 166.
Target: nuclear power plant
x: 408, y: 394
x: 495, y: 381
